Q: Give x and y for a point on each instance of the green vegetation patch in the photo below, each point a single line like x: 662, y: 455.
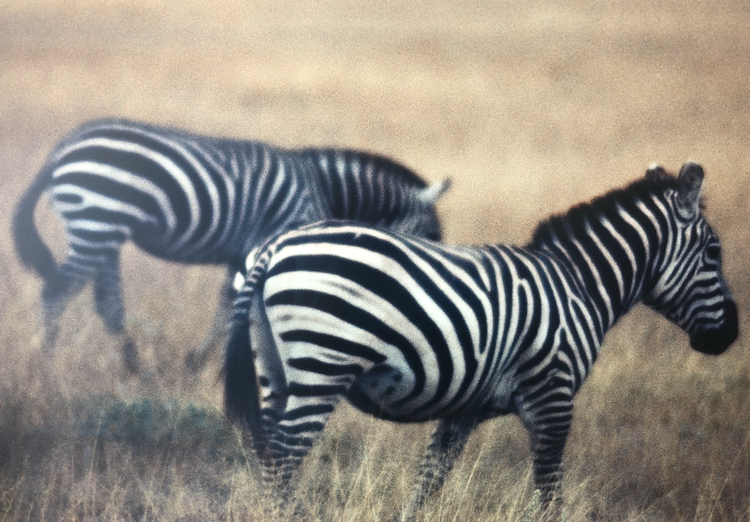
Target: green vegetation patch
x: 141, y: 424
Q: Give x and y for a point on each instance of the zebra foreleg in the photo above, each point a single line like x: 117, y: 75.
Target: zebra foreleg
x: 56, y: 295
x: 109, y: 306
x: 448, y: 441
x: 548, y: 430
x: 196, y: 359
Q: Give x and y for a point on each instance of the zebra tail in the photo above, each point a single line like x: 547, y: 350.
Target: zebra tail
x: 241, y: 392
x: 31, y: 249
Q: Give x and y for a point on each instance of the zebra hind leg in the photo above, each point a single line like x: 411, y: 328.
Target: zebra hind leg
x: 448, y: 441
x: 197, y: 358
x: 290, y: 439
x: 109, y: 306
x: 56, y: 295
x: 293, y: 416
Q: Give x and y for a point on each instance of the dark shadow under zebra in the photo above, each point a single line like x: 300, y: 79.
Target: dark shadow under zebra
x: 195, y: 199
x: 412, y: 330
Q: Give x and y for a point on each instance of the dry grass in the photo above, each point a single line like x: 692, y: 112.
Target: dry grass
x: 530, y: 106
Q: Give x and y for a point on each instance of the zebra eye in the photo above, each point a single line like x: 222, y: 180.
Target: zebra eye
x: 713, y: 252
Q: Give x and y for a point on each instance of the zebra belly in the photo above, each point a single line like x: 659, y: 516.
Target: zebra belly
x: 373, y: 393
x: 155, y: 245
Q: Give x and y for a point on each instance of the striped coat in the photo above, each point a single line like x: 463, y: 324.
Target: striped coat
x: 195, y: 199
x: 412, y: 330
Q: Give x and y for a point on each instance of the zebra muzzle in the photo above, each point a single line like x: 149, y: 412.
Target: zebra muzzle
x: 715, y: 341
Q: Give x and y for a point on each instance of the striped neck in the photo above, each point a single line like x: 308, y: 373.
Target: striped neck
x: 612, y: 247
x: 364, y: 187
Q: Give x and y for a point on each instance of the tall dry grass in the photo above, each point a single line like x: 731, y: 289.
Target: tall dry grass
x: 530, y: 106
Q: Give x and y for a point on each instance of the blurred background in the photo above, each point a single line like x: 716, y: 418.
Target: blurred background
x: 530, y: 107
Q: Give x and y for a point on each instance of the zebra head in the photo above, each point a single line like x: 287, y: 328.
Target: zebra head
x: 689, y: 287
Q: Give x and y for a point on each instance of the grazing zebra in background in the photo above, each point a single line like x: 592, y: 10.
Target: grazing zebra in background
x: 196, y: 199
x: 412, y: 330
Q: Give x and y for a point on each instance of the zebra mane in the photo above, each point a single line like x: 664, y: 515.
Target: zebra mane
x: 573, y: 221
x: 394, y: 168
x: 381, y: 163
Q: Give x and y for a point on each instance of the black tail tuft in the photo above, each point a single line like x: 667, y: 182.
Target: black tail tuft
x: 241, y: 394
x: 31, y: 249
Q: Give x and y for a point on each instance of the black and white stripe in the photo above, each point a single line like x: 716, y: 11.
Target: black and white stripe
x: 196, y: 199
x: 412, y: 330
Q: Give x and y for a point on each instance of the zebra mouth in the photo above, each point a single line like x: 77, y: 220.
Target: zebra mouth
x: 715, y: 341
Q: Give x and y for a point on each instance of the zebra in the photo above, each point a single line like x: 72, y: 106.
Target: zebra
x: 411, y: 330
x: 195, y: 199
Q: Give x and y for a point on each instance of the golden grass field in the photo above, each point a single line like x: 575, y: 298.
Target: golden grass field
x: 529, y: 106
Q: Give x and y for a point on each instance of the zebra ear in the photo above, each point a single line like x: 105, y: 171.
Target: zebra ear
x: 689, y: 188
x: 431, y: 194
x: 656, y: 172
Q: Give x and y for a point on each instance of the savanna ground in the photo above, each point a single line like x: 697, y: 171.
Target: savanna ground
x: 529, y: 106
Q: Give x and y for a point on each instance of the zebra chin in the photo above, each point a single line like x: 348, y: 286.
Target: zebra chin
x: 715, y: 341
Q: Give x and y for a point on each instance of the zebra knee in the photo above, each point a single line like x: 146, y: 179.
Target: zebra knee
x: 56, y: 294
x: 112, y: 315
x: 108, y: 299
x: 59, y: 288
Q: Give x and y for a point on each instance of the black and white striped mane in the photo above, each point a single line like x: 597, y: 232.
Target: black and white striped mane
x: 379, y: 162
x: 573, y: 222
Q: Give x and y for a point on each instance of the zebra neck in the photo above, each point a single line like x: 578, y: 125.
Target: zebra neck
x: 362, y: 187
x: 609, y: 257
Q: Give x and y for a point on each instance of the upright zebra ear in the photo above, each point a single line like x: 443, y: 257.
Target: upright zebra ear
x: 431, y: 194
x: 656, y: 172
x: 689, y: 188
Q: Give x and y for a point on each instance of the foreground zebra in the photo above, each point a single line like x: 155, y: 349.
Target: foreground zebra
x: 412, y: 330
x: 196, y: 199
